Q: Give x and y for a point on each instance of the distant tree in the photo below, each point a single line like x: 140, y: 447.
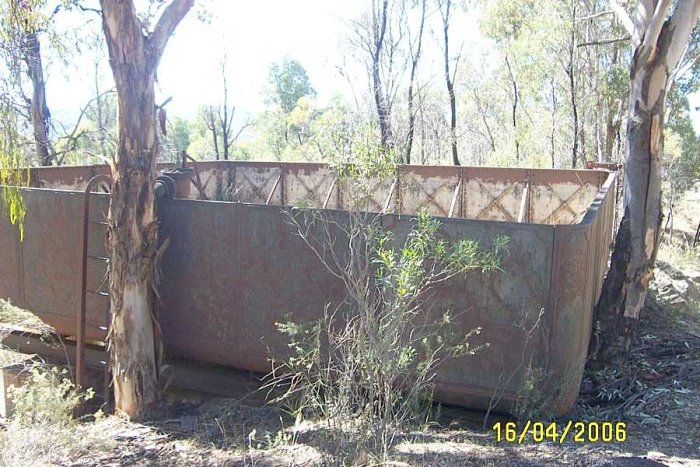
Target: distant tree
x: 377, y: 38
x: 445, y: 7
x: 288, y: 82
x: 20, y: 26
x: 288, y: 87
x: 218, y: 120
x: 177, y: 138
x: 415, y: 50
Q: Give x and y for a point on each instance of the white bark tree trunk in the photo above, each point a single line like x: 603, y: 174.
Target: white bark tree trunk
x: 133, y: 228
x: 659, y: 43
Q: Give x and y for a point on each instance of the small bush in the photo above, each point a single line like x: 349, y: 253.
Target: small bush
x: 48, y: 397
x: 368, y: 367
x: 42, y: 429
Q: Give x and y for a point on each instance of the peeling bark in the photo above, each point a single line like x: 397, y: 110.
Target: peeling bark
x: 133, y: 229
x: 658, y: 49
x: 38, y: 109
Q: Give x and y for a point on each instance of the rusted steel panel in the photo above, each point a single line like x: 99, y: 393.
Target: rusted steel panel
x: 562, y: 198
x: 503, y: 303
x: 73, y: 177
x: 51, y: 258
x: 67, y: 178
x: 11, y: 275
x: 486, y: 193
x: 280, y: 278
x: 223, y: 293
x: 222, y: 296
x: 210, y: 178
x: 429, y: 190
x: 600, y: 215
x: 572, y: 292
x: 493, y: 194
x: 581, y: 255
x: 306, y: 186
x: 232, y: 270
x: 255, y: 184
x: 381, y: 195
x: 198, y: 278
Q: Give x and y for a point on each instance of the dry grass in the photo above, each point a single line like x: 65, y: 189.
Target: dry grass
x: 14, y: 316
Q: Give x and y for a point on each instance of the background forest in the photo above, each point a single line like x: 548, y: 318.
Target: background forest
x: 487, y: 82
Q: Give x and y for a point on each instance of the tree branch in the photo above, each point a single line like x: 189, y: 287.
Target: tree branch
x: 623, y: 16
x: 651, y: 35
x: 595, y: 15
x: 604, y: 41
x: 166, y: 25
x: 643, y: 14
x: 682, y: 21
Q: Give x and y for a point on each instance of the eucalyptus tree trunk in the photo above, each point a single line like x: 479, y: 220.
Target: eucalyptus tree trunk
x: 449, y: 78
x: 571, y: 73
x: 514, y: 113
x: 21, y: 16
x: 415, y: 57
x: 659, y: 44
x: 379, y: 31
x: 133, y: 229
x: 38, y: 109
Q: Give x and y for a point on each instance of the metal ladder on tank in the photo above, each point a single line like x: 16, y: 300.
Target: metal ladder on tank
x: 87, y: 257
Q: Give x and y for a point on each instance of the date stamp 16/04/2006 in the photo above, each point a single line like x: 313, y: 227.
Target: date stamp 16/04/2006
x: 578, y: 432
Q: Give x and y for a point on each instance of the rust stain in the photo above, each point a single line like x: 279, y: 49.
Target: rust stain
x: 234, y: 268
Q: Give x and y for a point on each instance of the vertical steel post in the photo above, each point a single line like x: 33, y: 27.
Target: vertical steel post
x: 80, y: 344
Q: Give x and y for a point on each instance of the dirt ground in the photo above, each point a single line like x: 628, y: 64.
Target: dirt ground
x: 657, y: 393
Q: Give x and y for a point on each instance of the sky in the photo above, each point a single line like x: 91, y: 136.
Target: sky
x: 252, y: 35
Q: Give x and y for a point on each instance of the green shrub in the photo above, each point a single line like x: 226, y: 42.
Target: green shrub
x: 368, y: 367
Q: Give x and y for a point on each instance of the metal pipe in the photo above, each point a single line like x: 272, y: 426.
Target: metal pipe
x: 274, y: 188
x: 388, y: 198
x: 80, y: 338
x: 454, y: 196
x: 330, y: 192
x: 524, y: 201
